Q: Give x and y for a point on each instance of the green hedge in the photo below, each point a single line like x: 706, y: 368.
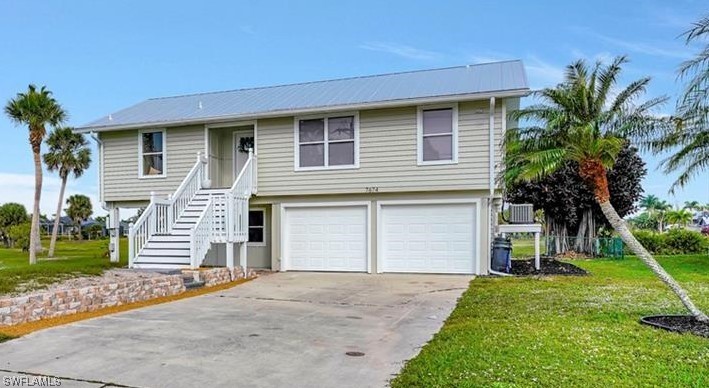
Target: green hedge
x: 674, y: 242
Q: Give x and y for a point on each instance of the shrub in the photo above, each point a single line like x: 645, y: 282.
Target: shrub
x: 681, y: 241
x: 20, y: 236
x: 652, y: 241
x: 674, y: 242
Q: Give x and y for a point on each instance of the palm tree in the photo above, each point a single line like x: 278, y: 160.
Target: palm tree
x: 580, y: 121
x: 661, y: 209
x: 692, y: 205
x: 36, y: 109
x: 69, y: 154
x: 649, y: 202
x: 79, y: 210
x: 689, y: 140
x: 681, y: 217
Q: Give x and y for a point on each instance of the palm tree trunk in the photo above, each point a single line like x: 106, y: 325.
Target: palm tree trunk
x: 645, y: 256
x: 594, y: 173
x: 55, y: 230
x: 34, y: 229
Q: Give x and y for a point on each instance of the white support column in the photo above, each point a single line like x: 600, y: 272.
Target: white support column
x: 537, y: 261
x: 230, y: 255
x: 115, y: 233
x: 243, y: 252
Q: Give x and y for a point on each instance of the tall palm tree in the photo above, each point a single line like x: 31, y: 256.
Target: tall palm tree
x: 36, y: 108
x: 69, y: 154
x: 79, y: 210
x: 661, y: 209
x: 689, y: 140
x: 581, y: 121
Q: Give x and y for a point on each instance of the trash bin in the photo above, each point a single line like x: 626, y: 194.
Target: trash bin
x: 501, y: 254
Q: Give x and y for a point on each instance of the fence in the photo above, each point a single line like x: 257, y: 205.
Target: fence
x: 610, y: 247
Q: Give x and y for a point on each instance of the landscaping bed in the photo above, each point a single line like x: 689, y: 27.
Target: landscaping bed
x: 678, y: 323
x: 548, y: 266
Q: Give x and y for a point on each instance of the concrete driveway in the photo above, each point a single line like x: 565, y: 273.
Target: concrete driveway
x: 285, y: 329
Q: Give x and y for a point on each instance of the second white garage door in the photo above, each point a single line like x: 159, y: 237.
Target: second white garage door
x: 429, y: 238
x: 332, y: 238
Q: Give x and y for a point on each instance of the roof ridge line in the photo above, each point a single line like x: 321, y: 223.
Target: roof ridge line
x: 331, y: 80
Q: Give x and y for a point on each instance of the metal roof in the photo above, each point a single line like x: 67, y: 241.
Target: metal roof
x: 462, y: 82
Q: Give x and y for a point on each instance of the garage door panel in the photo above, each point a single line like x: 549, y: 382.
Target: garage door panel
x: 437, y: 238
x: 336, y: 239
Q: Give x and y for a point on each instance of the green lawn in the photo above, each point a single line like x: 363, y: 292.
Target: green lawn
x: 568, y: 331
x: 72, y: 258
x: 523, y: 248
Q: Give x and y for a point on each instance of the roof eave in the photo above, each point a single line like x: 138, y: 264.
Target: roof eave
x: 292, y: 112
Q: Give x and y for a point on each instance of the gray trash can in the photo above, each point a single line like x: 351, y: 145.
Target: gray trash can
x: 501, y: 254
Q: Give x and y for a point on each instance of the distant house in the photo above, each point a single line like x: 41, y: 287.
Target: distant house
x: 66, y: 226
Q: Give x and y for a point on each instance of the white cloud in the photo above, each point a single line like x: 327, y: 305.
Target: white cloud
x: 20, y: 188
x: 639, y: 47
x: 246, y: 29
x: 543, y: 74
x: 401, y: 50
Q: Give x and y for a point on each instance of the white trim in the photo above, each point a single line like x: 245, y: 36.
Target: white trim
x: 291, y: 112
x: 285, y: 261
x: 234, y: 151
x: 325, y: 142
x: 234, y: 123
x: 419, y: 134
x: 140, y: 154
x: 476, y: 237
x: 265, y: 228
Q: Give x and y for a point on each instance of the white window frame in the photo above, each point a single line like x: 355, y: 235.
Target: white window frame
x: 140, y: 154
x: 262, y: 243
x: 419, y: 135
x: 326, y: 147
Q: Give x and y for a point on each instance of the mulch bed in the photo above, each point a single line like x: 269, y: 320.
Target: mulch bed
x: 678, y: 323
x: 549, y: 266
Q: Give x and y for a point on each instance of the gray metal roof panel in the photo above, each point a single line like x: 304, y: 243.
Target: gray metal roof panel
x: 462, y: 80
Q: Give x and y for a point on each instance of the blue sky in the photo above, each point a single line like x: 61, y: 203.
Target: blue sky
x: 98, y: 57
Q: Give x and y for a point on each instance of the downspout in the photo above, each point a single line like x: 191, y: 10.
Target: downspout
x: 491, y: 150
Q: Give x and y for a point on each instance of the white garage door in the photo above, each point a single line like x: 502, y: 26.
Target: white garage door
x: 431, y: 238
x: 326, y: 238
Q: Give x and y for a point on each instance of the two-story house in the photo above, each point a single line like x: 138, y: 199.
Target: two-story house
x: 384, y: 173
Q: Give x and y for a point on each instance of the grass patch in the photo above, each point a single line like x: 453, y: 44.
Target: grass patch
x: 5, y: 337
x: 569, y: 331
x: 523, y: 247
x: 72, y: 259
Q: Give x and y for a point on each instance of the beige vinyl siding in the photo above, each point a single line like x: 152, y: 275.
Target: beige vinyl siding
x: 388, y: 161
x: 120, y: 172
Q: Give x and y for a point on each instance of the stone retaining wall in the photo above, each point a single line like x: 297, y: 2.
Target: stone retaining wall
x: 61, y: 302
x: 215, y: 276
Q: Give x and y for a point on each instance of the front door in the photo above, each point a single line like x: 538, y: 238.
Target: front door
x: 243, y: 140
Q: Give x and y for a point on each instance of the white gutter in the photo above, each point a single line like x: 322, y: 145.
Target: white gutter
x: 100, y: 170
x: 294, y: 112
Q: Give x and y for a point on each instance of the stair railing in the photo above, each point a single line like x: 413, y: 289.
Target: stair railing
x: 237, y: 199
x: 200, y: 236
x: 160, y: 215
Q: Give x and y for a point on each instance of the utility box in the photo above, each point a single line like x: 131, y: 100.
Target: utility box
x: 521, y: 213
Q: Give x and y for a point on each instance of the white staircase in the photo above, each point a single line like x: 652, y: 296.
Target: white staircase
x: 177, y: 232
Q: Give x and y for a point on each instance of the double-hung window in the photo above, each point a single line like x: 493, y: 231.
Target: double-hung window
x: 437, y: 135
x: 152, y: 154
x: 327, y: 142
